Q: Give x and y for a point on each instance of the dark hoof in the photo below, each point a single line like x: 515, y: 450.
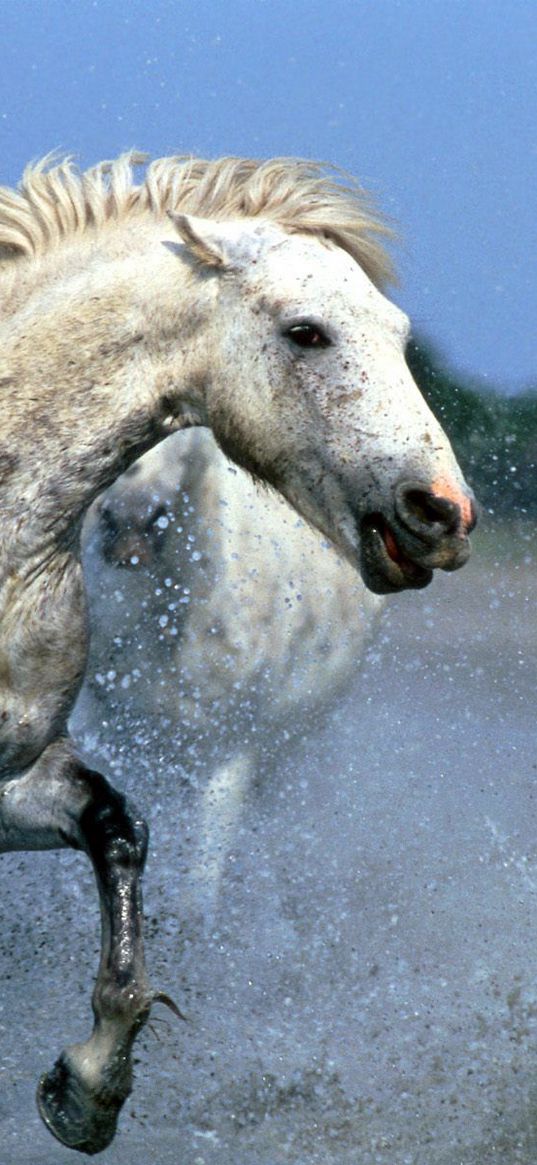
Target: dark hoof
x: 79, y: 1119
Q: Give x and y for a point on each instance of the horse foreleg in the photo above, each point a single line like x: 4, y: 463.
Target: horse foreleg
x: 59, y: 802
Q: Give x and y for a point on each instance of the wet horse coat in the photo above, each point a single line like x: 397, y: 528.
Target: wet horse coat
x: 236, y: 295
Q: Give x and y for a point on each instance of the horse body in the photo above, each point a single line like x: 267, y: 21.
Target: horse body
x: 118, y: 327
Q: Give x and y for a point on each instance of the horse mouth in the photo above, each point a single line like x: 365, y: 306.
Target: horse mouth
x: 385, y: 567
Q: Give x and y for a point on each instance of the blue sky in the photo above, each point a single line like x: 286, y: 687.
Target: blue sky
x: 431, y: 103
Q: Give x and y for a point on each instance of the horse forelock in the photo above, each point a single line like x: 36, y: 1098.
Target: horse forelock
x: 55, y: 201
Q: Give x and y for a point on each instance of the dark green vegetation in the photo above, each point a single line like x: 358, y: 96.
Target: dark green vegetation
x: 494, y: 436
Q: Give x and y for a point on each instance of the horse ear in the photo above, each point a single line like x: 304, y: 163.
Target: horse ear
x: 199, y: 236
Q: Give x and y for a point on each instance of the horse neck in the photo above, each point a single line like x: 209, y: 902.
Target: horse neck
x: 101, y: 358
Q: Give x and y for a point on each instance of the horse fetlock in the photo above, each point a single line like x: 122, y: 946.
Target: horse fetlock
x: 80, y: 1107
x: 120, y: 1010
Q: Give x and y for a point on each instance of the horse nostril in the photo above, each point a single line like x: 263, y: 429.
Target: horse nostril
x: 425, y: 513
x: 430, y: 509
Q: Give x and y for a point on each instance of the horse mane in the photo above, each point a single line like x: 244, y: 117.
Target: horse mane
x: 56, y: 201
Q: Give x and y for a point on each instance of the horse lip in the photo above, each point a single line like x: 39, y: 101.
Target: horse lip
x: 458, y: 559
x: 386, y: 568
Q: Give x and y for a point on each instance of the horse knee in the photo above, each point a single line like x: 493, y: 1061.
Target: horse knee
x: 114, y: 835
x: 127, y: 847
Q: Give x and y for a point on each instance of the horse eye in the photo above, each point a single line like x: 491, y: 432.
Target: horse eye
x: 308, y: 336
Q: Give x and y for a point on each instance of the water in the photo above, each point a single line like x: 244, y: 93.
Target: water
x: 364, y: 990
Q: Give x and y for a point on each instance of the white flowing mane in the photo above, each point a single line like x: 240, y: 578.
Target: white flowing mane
x: 56, y: 201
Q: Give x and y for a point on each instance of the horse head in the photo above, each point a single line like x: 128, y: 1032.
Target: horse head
x: 306, y: 386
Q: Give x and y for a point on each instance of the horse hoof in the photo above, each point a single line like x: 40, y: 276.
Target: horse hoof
x: 76, y: 1117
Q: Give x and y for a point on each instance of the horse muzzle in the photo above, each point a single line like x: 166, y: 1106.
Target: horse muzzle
x: 428, y: 530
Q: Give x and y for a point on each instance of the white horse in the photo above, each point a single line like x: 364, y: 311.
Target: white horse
x: 236, y: 295
x: 250, y: 629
